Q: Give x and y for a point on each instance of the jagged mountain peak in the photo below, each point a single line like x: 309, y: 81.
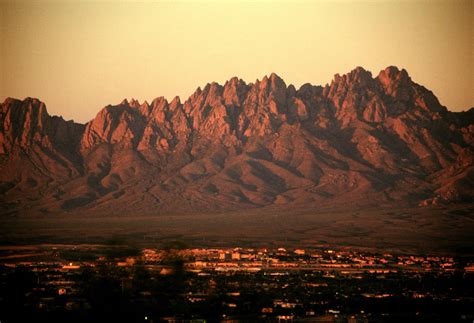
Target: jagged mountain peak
x: 175, y: 102
x: 359, y: 73
x: 393, y: 73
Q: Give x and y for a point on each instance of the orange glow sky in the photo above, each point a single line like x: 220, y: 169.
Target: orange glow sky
x: 80, y: 56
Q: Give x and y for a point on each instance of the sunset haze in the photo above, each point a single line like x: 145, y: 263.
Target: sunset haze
x: 80, y: 56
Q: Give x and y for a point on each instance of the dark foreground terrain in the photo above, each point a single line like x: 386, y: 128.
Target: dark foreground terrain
x: 381, y: 265
x: 421, y: 230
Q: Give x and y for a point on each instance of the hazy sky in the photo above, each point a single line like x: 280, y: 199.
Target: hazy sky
x: 80, y: 56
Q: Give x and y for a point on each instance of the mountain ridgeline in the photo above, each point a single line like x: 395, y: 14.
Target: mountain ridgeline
x: 361, y: 140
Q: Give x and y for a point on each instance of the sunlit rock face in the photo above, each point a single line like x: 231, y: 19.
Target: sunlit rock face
x: 360, y: 139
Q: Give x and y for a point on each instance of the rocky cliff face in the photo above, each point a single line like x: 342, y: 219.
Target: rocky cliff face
x: 359, y: 140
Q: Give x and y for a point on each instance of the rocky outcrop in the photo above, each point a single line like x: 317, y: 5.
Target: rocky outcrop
x: 27, y: 123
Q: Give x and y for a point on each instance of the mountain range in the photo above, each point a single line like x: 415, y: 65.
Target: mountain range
x: 358, y: 141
